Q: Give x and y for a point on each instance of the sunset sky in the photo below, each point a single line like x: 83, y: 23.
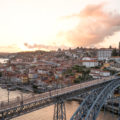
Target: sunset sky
x: 52, y: 24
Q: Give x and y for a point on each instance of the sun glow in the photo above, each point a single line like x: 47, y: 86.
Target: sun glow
x: 45, y: 23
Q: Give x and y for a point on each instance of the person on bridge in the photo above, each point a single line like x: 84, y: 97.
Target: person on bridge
x: 21, y: 103
x: 50, y: 92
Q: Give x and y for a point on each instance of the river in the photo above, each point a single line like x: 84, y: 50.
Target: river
x: 47, y: 112
x: 3, y: 60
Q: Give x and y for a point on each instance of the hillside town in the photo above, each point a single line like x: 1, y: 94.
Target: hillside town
x: 41, y: 71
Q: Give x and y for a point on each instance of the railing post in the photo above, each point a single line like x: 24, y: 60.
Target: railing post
x: 8, y: 97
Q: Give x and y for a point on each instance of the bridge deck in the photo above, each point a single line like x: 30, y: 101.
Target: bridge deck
x: 53, y: 93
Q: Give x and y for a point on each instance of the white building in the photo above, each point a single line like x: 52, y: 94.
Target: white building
x: 68, y: 53
x: 96, y: 73
x: 15, y: 79
x: 40, y: 71
x: 104, y: 54
x: 116, y: 59
x: 32, y: 75
x: 89, y: 58
x: 105, y: 73
x: 89, y: 63
x: 35, y: 60
x: 86, y: 58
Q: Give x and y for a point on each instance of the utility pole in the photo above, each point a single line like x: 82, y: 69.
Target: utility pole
x: 21, y: 99
x: 8, y: 87
x: 8, y: 96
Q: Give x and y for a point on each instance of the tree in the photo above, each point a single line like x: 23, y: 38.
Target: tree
x: 0, y: 74
x: 76, y: 81
x: 114, y: 52
x: 110, y: 47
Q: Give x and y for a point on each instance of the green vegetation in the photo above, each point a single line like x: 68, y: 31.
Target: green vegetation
x: 77, y: 80
x: 68, y: 72
x: 114, y: 52
x: 0, y: 74
x: 34, y: 86
x: 82, y: 71
x: 82, y: 78
x: 112, y: 72
x: 67, y: 57
x: 97, y: 67
x: 79, y: 69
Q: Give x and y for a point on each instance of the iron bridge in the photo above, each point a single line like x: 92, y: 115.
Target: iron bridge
x: 92, y: 104
x: 17, y: 107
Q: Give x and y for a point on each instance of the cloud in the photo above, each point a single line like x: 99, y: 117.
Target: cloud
x: 95, y: 24
x: 47, y: 47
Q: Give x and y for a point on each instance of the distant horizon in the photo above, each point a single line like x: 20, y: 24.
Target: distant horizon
x: 57, y: 50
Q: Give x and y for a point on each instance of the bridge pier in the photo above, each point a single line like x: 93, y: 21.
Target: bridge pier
x: 2, y: 117
x: 59, y: 110
x: 119, y: 111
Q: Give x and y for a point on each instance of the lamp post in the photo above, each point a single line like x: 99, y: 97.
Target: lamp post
x: 8, y: 96
x: 21, y: 99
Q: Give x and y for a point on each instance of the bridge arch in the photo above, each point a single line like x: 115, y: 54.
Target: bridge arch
x: 90, y: 107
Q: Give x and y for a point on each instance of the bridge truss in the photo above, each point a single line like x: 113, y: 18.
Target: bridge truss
x: 90, y: 107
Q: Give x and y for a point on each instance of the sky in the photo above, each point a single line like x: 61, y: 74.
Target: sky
x: 27, y: 25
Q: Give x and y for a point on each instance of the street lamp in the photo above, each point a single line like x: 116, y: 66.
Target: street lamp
x: 8, y: 96
x: 21, y: 99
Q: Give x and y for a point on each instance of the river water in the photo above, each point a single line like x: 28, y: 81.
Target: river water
x: 47, y: 112
x: 3, y: 60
